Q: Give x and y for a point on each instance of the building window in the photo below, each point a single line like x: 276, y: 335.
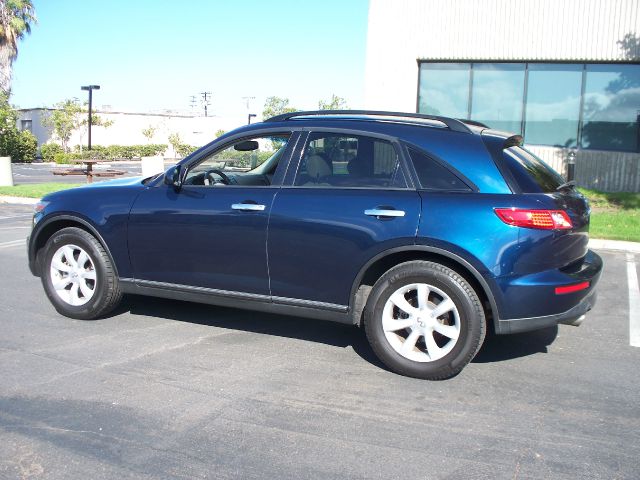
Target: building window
x: 26, y: 125
x: 444, y: 89
x: 553, y: 104
x: 611, y: 107
x: 595, y: 106
x: 496, y: 95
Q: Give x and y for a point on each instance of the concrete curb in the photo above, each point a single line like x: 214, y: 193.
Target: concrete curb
x: 594, y: 243
x: 616, y: 245
x: 18, y: 200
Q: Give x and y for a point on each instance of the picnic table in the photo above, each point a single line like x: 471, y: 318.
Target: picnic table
x: 88, y: 170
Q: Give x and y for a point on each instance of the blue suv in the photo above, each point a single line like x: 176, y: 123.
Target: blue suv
x: 426, y: 231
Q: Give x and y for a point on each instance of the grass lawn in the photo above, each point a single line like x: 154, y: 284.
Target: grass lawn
x: 36, y: 190
x: 614, y: 216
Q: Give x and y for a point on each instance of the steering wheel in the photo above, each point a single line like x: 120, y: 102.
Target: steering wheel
x: 209, y: 175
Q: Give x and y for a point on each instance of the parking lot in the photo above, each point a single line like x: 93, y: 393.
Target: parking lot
x: 26, y: 173
x: 165, y: 389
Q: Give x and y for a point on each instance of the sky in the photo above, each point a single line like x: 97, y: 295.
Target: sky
x: 153, y: 55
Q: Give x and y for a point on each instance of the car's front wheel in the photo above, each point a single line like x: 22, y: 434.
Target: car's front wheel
x: 424, y: 320
x: 78, y: 276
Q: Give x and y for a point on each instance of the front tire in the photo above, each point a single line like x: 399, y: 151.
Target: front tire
x: 424, y: 320
x: 78, y: 276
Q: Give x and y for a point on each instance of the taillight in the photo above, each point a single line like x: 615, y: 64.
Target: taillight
x: 542, y: 219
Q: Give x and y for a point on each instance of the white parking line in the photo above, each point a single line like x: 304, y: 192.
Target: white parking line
x: 14, y: 243
x: 634, y: 302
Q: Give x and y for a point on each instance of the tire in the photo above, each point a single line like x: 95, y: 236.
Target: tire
x: 408, y: 339
x: 78, y: 276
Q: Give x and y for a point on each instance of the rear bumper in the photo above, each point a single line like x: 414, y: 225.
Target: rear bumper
x: 570, y: 317
x: 537, y: 292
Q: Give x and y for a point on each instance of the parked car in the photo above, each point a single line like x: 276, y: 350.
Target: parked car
x: 427, y: 231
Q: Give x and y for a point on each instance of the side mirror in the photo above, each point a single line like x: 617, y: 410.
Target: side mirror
x: 172, y: 177
x: 246, y: 146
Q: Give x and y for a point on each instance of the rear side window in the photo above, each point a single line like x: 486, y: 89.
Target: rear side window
x: 433, y: 175
x: 530, y: 173
x: 347, y: 161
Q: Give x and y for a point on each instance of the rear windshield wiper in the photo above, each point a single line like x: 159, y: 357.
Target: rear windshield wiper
x: 566, y: 186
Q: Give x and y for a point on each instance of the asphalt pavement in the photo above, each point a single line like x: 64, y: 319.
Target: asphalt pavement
x: 168, y: 389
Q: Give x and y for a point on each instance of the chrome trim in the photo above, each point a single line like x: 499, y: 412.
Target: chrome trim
x: 248, y: 207
x: 310, y: 303
x: 377, y: 212
x: 297, y: 302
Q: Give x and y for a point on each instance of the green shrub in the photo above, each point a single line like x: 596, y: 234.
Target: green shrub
x: 48, y: 151
x: 61, y: 157
x: 183, y: 149
x: 27, y: 146
x: 118, y: 152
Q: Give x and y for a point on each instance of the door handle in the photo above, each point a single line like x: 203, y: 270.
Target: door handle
x: 247, y: 207
x: 380, y: 212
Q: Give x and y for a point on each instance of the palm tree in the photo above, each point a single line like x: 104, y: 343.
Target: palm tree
x: 16, y: 18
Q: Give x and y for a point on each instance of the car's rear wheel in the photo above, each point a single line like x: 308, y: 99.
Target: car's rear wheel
x: 424, y: 320
x: 78, y: 275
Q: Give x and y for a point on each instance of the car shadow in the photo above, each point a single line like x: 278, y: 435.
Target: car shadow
x: 496, y: 348
x: 299, y: 328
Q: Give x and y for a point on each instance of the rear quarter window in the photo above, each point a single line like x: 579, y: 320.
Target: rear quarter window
x: 435, y: 176
x: 530, y: 173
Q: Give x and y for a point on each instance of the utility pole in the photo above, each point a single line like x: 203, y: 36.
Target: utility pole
x: 90, y: 89
x: 193, y: 102
x: 205, y: 101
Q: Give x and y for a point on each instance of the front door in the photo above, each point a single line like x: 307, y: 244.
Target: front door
x: 213, y: 232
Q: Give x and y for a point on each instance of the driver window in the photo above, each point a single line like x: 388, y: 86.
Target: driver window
x: 250, y: 161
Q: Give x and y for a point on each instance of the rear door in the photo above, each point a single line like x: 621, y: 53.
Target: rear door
x: 349, y: 199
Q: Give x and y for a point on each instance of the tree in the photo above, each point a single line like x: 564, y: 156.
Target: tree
x: 334, y: 103
x: 149, y: 132
x: 20, y: 146
x: 219, y: 133
x: 68, y: 116
x: 276, y: 106
x: 16, y: 18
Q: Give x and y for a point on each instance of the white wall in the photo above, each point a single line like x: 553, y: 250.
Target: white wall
x: 401, y: 32
x: 127, y: 128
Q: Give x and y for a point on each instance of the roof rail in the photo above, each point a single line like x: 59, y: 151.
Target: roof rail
x: 451, y: 123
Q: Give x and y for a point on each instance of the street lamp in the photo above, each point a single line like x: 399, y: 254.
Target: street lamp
x: 90, y: 89
x: 251, y: 115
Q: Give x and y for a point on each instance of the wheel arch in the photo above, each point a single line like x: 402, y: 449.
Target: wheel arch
x: 378, y: 265
x: 49, y: 226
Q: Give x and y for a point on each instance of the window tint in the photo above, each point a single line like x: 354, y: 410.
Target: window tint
x: 531, y: 174
x: 349, y: 161
x: 434, y: 176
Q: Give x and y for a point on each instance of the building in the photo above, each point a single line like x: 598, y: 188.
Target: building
x: 126, y: 128
x: 565, y: 74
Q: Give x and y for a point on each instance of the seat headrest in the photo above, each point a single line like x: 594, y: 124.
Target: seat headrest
x: 318, y: 166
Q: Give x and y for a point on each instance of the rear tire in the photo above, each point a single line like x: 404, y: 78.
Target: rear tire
x: 424, y: 320
x: 78, y: 276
